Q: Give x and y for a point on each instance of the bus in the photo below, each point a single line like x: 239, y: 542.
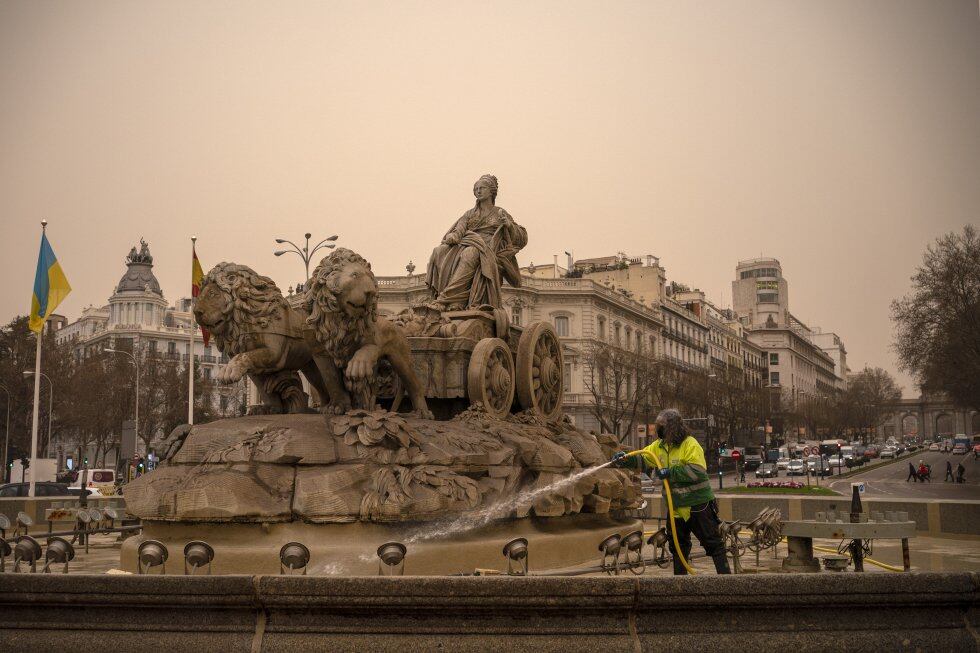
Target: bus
x: 831, y: 447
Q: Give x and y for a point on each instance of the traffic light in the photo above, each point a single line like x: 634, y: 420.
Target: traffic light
x: 722, y: 449
x: 85, y: 461
x: 25, y: 462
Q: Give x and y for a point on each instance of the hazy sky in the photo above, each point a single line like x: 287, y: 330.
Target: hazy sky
x: 840, y: 137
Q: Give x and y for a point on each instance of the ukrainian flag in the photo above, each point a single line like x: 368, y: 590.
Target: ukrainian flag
x: 50, y: 286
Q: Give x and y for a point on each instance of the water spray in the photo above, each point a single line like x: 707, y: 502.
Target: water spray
x: 670, y: 509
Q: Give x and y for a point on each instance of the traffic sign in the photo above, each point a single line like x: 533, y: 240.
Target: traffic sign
x: 806, y: 451
x: 736, y: 454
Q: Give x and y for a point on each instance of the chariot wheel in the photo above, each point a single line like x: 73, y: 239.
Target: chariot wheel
x: 540, y: 371
x: 490, y: 376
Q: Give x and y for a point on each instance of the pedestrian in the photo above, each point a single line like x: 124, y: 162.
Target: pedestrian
x: 912, y: 474
x: 960, y: 473
x: 684, y: 467
x: 924, y: 472
x: 949, y: 473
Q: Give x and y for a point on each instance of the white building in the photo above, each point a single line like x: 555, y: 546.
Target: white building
x: 138, y: 319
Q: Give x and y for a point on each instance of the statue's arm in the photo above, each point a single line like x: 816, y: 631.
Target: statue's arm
x: 517, y: 233
x: 454, y: 235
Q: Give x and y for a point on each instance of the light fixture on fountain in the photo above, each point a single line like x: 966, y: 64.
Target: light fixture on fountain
x: 293, y: 556
x: 392, y: 555
x: 5, y: 551
x: 516, y: 551
x: 60, y: 552
x: 27, y: 550
x: 197, y: 554
x: 610, y: 552
x: 633, y: 543
x: 151, y: 553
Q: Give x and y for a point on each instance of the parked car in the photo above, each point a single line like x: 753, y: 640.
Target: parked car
x: 888, y: 452
x: 796, y: 468
x: 41, y: 489
x: 872, y: 452
x: 767, y: 470
x: 934, y: 446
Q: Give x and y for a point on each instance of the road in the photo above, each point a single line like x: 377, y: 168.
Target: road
x: 889, y: 480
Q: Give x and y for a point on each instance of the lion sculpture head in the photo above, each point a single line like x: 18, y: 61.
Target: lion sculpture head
x: 342, y: 303
x: 235, y: 301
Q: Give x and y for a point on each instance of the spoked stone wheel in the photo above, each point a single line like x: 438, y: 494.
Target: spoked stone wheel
x: 490, y: 376
x: 540, y: 370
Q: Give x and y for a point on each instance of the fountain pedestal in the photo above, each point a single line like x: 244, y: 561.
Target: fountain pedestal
x: 454, y: 492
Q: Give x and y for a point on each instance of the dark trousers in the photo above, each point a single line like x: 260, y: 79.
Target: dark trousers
x: 704, y: 524
x: 949, y: 474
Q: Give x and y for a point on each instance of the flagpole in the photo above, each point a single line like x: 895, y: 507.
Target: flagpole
x: 37, y: 395
x: 190, y: 366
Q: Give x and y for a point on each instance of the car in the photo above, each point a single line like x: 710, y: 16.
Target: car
x: 783, y: 463
x: 888, y: 452
x: 872, y: 452
x: 796, y: 468
x: 934, y: 446
x: 959, y: 448
x: 836, y: 461
x: 767, y: 470
x: 817, y: 466
x: 41, y: 489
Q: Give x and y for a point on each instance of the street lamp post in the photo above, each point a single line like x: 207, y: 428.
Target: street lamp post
x: 28, y: 374
x: 136, y: 421
x: 6, y: 435
x: 305, y: 252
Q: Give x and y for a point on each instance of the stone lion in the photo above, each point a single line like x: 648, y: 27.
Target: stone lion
x: 341, y: 300
x: 254, y: 326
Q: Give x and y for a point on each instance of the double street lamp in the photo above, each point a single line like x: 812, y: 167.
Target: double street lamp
x: 305, y: 252
x: 28, y: 374
x: 136, y: 420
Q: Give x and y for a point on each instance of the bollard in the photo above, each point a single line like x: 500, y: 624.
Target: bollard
x: 857, y: 546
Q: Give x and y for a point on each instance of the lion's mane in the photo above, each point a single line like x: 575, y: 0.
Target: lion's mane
x: 256, y: 303
x: 339, y: 334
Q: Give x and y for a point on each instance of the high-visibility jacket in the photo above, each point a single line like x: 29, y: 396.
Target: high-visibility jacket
x: 689, y: 482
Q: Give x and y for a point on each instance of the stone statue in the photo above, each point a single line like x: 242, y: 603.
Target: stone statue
x: 347, y: 334
x: 252, y: 323
x: 145, y: 256
x: 132, y: 256
x: 467, y: 269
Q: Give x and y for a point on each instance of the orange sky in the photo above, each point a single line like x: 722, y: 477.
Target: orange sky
x: 840, y: 137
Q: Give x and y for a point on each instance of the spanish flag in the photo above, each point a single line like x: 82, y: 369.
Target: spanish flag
x: 197, y: 275
x: 50, y: 286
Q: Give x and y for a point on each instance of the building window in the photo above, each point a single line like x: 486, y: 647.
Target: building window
x: 568, y: 377
x: 515, y: 315
x: 172, y: 347
x: 774, y: 359
x: 618, y: 334
x: 602, y: 329
x: 561, y: 325
x: 768, y: 298
x: 774, y: 378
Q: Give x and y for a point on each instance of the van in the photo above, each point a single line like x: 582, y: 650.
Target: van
x: 102, y: 480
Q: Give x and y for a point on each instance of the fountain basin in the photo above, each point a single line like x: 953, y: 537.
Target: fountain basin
x: 350, y: 549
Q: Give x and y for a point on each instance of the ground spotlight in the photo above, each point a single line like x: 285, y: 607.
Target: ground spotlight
x: 516, y: 551
x: 151, y: 553
x: 392, y: 555
x: 60, y: 552
x: 26, y: 550
x: 5, y: 551
x: 23, y: 521
x: 293, y: 556
x: 197, y: 554
x: 4, y: 525
x: 633, y: 544
x: 610, y: 553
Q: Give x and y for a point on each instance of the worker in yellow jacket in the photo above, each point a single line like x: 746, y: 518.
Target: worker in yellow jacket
x: 695, y: 508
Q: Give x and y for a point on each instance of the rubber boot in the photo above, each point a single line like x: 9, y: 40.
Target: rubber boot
x: 721, y: 564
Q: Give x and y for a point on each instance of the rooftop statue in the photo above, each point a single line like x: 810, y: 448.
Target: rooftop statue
x: 467, y: 269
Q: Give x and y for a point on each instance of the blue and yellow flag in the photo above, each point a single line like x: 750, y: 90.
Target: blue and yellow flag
x: 50, y: 286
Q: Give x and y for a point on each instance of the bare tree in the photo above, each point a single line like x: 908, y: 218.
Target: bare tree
x: 871, y: 391
x: 620, y: 382
x: 937, y: 325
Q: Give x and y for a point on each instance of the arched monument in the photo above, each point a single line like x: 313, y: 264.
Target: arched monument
x: 441, y: 428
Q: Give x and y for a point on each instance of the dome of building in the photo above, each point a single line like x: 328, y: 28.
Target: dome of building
x: 139, y: 272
